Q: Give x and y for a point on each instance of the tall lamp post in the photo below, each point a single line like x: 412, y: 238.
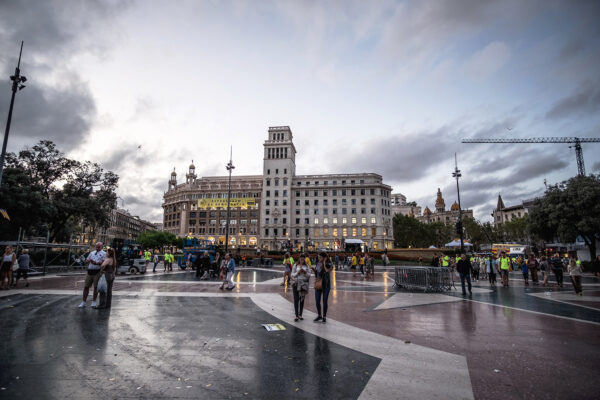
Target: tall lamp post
x: 456, y: 174
x: 18, y: 81
x: 229, y: 167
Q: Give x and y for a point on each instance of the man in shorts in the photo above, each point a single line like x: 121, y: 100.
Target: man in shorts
x: 504, y: 263
x: 94, y: 261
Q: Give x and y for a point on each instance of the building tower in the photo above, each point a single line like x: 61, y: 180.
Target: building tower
x: 440, y: 205
x: 190, y: 177
x: 279, y: 167
x: 173, y: 180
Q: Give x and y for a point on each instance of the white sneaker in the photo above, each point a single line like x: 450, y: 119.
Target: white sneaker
x: 93, y: 304
x: 82, y: 304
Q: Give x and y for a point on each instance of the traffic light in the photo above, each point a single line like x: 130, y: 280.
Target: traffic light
x: 459, y: 228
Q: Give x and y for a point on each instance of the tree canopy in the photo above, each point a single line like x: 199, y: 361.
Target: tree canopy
x: 158, y: 239
x: 410, y: 232
x: 44, y: 190
x: 568, y: 210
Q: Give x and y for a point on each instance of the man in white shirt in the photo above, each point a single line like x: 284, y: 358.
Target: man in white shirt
x: 94, y: 261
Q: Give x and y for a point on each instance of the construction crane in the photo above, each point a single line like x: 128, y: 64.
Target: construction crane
x: 571, y: 140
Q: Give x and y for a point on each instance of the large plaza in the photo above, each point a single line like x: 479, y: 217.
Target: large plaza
x: 169, y: 335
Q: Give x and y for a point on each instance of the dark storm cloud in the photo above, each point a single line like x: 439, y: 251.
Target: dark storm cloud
x: 584, y: 100
x: 57, y: 103
x: 400, y: 158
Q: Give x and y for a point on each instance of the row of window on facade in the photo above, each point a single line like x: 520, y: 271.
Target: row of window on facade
x: 316, y: 232
x: 233, y: 230
x: 325, y: 221
x: 334, y: 211
x: 277, y: 152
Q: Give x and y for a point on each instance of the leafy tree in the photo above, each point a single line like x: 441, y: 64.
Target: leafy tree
x: 408, y: 231
x: 158, y: 239
x: 43, y: 190
x: 568, y: 210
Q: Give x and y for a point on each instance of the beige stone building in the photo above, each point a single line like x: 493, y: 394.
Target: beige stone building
x: 504, y: 214
x: 447, y: 217
x: 400, y: 206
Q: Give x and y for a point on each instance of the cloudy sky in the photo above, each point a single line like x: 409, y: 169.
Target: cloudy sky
x: 383, y: 86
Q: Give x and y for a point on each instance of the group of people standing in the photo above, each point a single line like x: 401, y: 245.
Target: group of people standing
x: 299, y: 272
x: 100, y: 264
x: 14, y: 267
x: 468, y: 268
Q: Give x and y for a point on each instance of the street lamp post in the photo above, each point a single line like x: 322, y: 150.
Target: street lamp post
x: 456, y: 174
x: 229, y: 167
x: 18, y: 81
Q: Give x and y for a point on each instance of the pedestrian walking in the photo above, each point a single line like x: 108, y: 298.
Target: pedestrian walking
x: 337, y: 261
x: 575, y: 273
x: 490, y: 266
x: 94, y: 261
x: 476, y: 268
x: 230, y: 270
x: 288, y: 263
x: 147, y: 256
x: 354, y: 264
x: 525, y: 272
x: 504, y: 268
x: 557, y: 268
x: 362, y: 265
x: 203, y: 265
x: 155, y: 262
x: 8, y: 260
x: 300, y: 279
x: 533, y: 265
x: 322, y: 285
x: 545, y: 269
x: 464, y: 267
x: 23, y: 270
x: 108, y: 269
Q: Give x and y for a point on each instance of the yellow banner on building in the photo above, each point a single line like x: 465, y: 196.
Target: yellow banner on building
x: 243, y: 202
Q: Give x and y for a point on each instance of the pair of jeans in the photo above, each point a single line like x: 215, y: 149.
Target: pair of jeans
x: 462, y: 282
x: 576, y: 280
x: 492, y: 277
x: 325, y: 293
x: 298, y: 301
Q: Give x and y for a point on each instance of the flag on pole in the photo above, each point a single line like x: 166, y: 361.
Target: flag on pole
x: 4, y: 213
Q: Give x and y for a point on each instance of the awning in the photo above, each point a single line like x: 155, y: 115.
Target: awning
x: 353, y: 241
x: 456, y: 243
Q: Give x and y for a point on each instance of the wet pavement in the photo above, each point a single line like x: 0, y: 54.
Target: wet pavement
x: 177, y: 337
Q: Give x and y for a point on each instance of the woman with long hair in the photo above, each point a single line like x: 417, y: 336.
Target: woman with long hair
x: 300, y: 277
x: 108, y: 268
x: 8, y: 260
x: 322, y: 285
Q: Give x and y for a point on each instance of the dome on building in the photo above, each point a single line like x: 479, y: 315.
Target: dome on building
x: 192, y: 166
x: 427, y: 211
x: 455, y: 206
x: 173, y: 173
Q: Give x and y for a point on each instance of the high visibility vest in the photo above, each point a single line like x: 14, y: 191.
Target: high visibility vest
x: 307, y: 260
x: 354, y: 260
x: 445, y: 261
x: 578, y: 262
x: 471, y: 259
x: 504, y: 263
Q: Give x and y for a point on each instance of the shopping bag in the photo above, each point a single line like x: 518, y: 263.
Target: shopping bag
x: 102, y: 284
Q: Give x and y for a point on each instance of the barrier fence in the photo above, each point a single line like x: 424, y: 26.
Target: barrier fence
x: 428, y: 279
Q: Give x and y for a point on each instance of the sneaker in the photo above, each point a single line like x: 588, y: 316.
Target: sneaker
x: 82, y: 304
x: 324, y: 320
x: 317, y: 319
x: 93, y: 304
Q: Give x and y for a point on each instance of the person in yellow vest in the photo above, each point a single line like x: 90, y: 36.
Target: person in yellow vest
x: 362, y: 265
x: 354, y: 263
x: 446, y: 261
x: 504, y: 263
x: 307, y: 260
x: 147, y: 256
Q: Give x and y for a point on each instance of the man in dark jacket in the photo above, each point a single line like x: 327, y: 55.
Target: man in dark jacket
x: 557, y: 267
x: 464, y: 268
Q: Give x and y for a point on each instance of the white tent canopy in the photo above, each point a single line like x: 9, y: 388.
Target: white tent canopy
x: 456, y: 243
x: 432, y: 247
x: 353, y: 241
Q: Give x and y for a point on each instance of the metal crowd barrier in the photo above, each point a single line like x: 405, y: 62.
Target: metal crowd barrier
x: 428, y: 279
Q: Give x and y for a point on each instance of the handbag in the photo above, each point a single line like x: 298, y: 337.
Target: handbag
x: 319, y: 284
x: 15, y: 266
x: 102, y: 284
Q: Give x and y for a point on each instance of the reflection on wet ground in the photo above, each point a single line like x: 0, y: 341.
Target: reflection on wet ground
x: 175, y: 347
x: 250, y: 275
